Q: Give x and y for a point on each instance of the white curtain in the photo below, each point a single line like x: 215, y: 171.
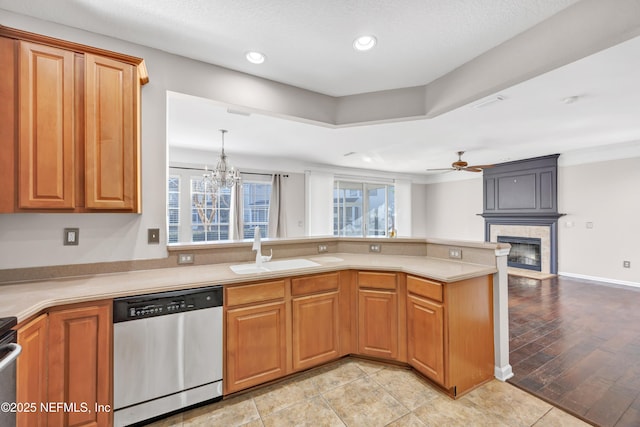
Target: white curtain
x: 277, y: 211
x: 235, y: 216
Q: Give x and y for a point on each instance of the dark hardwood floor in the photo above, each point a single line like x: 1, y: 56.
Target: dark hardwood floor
x: 576, y: 344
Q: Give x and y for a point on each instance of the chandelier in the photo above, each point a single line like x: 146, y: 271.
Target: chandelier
x: 224, y: 175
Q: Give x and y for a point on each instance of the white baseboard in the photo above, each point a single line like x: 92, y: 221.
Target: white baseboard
x: 502, y: 373
x: 600, y: 279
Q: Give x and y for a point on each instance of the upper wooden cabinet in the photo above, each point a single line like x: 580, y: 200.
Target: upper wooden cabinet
x: 70, y: 116
x: 46, y: 112
x: 111, y: 148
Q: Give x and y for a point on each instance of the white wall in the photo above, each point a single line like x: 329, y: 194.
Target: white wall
x: 452, y: 207
x: 607, y: 195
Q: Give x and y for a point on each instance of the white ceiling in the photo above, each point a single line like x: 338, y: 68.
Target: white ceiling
x: 308, y: 45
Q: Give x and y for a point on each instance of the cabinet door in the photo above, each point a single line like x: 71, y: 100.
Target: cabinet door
x: 425, y: 335
x: 315, y: 330
x: 46, y: 109
x: 31, y: 371
x: 256, y: 345
x: 111, y: 128
x: 378, y: 323
x: 80, y: 364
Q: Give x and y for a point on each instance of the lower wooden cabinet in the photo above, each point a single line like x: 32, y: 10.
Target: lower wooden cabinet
x: 316, y: 318
x: 450, y: 331
x: 425, y: 337
x: 32, y: 371
x: 378, y: 323
x: 380, y: 315
x: 443, y: 330
x: 256, y: 345
x: 67, y: 359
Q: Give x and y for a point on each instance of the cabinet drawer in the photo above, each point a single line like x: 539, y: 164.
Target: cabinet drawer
x: 254, y: 293
x: 314, y: 284
x: 367, y: 279
x: 425, y: 288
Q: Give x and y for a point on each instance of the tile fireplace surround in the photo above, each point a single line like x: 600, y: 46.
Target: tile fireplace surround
x: 542, y: 232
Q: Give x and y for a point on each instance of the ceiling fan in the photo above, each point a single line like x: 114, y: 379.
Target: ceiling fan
x: 461, y: 165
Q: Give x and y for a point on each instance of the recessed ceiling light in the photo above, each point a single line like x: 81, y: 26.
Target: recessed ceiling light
x: 255, y: 57
x: 570, y: 99
x: 364, y: 43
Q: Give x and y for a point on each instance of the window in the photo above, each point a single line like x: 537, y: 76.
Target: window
x: 192, y: 217
x: 255, y: 207
x: 209, y: 213
x: 363, y: 209
x: 173, y: 209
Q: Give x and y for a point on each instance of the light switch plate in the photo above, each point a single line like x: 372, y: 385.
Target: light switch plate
x: 153, y: 236
x: 71, y: 237
x: 374, y: 248
x: 322, y: 249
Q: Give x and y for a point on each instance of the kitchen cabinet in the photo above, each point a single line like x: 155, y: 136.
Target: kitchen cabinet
x: 67, y: 359
x: 450, y: 331
x: 256, y: 329
x: 316, y: 320
x: 32, y: 371
x: 46, y: 139
x: 70, y: 120
x: 112, y: 93
x: 425, y: 333
x: 380, y: 333
x: 80, y: 361
x: 277, y: 327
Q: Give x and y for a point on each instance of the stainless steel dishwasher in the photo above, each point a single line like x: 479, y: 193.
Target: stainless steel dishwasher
x: 167, y: 353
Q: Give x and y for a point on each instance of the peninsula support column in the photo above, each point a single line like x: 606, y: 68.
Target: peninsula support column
x: 501, y: 316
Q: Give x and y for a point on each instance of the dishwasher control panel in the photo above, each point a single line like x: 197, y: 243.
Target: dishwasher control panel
x: 165, y: 303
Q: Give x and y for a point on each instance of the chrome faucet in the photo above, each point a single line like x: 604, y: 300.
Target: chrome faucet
x: 257, y: 246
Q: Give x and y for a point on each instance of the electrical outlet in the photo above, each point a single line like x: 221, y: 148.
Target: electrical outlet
x: 153, y: 236
x: 71, y: 236
x: 455, y: 253
x: 626, y: 264
x: 322, y: 249
x: 374, y: 248
x: 185, y: 258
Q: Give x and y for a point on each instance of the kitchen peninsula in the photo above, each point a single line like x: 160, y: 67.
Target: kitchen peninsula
x: 421, y: 292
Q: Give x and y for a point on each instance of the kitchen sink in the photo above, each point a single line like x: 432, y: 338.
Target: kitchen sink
x: 282, y: 265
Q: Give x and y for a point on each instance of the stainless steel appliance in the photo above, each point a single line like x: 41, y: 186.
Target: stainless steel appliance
x: 9, y: 351
x: 167, y: 353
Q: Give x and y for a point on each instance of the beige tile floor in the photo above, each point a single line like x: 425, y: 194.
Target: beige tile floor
x: 355, y: 392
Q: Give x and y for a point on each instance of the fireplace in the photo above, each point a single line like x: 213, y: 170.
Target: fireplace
x: 521, y: 205
x: 526, y: 252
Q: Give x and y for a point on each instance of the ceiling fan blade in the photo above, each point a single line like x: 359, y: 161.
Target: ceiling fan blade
x: 472, y: 169
x: 481, y: 166
x: 441, y: 169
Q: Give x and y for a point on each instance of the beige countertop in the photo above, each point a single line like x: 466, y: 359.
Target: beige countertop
x: 23, y: 300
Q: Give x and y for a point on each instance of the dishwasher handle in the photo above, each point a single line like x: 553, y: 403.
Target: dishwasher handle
x: 14, y: 352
